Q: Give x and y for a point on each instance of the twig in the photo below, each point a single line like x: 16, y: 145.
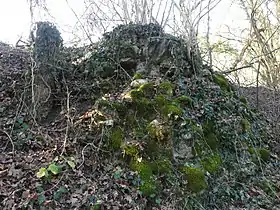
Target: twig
x: 83, y: 150
x: 258, y: 73
x: 233, y: 70
x: 10, y: 139
x: 83, y: 27
x: 68, y: 120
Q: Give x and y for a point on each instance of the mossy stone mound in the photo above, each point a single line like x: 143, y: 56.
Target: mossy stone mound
x: 189, y: 138
x: 182, y: 133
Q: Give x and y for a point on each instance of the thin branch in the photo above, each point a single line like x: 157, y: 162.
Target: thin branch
x: 87, y: 34
x: 10, y: 139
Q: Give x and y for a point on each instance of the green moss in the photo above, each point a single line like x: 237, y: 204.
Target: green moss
x: 196, y: 179
x: 161, y: 101
x: 264, y: 154
x: 162, y: 166
x: 148, y: 184
x: 148, y: 187
x: 147, y: 89
x: 251, y: 150
x: 212, y: 140
x: 184, y: 101
x: 243, y: 100
x: 131, y: 150
x: 208, y: 127
x: 130, y: 120
x: 112, y: 105
x: 245, y: 125
x: 145, y: 170
x: 220, y: 80
x: 137, y: 76
x: 139, y: 132
x: 116, y: 138
x: 212, y: 163
x: 165, y: 88
x: 97, y: 206
x: 119, y: 106
x: 171, y: 109
x: 104, y: 103
x: 136, y: 94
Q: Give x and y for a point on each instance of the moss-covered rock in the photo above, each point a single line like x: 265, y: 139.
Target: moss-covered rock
x: 165, y: 88
x: 184, y: 101
x: 131, y: 150
x: 170, y: 119
x: 243, y: 100
x: 137, y: 76
x: 148, y: 185
x: 211, y: 163
x: 246, y: 125
x: 212, y: 141
x: 264, y: 154
x: 172, y: 110
x: 195, y: 178
x: 220, y: 80
x: 162, y: 166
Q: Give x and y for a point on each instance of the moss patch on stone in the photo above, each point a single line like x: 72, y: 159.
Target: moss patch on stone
x: 162, y: 166
x: 116, y: 138
x: 211, y: 163
x: 148, y: 184
x: 131, y: 150
x: 220, y: 80
x: 172, y: 110
x: 245, y: 125
x: 136, y: 95
x: 165, y: 88
x: 212, y: 141
x: 184, y: 101
x: 243, y: 100
x: 264, y: 154
x: 137, y: 76
x: 195, y: 178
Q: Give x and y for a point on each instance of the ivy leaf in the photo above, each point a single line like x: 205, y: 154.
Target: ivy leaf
x: 25, y: 126
x: 57, y: 195
x: 59, y: 192
x: 41, y: 199
x: 40, y: 189
x: 117, y: 174
x: 53, y: 168
x: 20, y: 121
x: 63, y: 189
x: 42, y: 172
x: 158, y: 201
